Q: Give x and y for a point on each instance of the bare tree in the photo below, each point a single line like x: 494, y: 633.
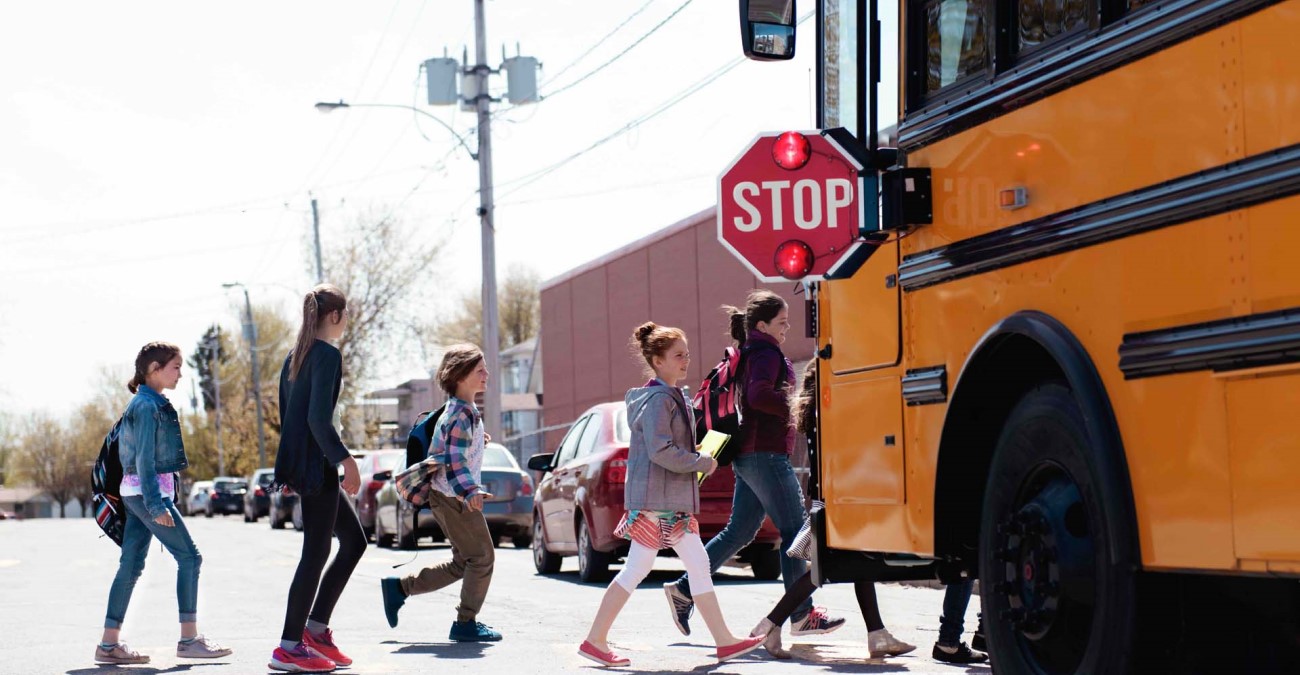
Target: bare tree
x: 384, y: 269
x: 519, y: 312
x: 49, y: 460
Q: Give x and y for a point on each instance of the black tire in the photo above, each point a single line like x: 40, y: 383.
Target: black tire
x: 1056, y: 598
x: 766, y: 565
x: 593, y: 565
x: 406, y: 539
x: 276, y: 522
x: 382, y: 539
x: 521, y: 540
x: 208, y: 514
x: 495, y: 533
x: 545, y: 561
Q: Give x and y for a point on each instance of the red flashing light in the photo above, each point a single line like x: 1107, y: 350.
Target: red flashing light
x: 794, y: 259
x: 791, y: 150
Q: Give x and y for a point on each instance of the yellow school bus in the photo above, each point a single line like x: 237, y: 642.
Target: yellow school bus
x: 1072, y: 368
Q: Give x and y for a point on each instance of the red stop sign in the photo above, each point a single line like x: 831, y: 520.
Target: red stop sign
x: 791, y: 207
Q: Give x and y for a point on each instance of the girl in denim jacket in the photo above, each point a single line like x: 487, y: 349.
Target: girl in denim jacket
x: 662, y: 496
x: 151, y: 452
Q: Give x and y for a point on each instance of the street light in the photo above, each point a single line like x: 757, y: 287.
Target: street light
x: 491, y: 329
x: 250, y: 334
x: 327, y: 107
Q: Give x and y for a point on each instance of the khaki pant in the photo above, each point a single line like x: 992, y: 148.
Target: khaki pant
x: 473, y: 555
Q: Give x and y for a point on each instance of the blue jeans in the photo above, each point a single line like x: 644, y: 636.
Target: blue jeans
x: 765, y: 485
x: 952, y: 623
x: 140, y: 531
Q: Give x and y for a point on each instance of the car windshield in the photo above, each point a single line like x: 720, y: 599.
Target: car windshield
x: 622, y: 433
x: 497, y: 457
x: 230, y: 485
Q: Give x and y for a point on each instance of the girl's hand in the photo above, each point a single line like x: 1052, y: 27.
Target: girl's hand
x: 351, y: 477
x: 713, y: 466
x: 165, y: 520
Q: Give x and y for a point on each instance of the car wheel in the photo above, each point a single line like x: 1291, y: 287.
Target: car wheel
x: 276, y: 522
x: 496, y: 536
x: 1056, y: 559
x: 766, y: 565
x: 522, y: 540
x: 209, y: 511
x: 545, y: 561
x: 382, y: 539
x: 297, y: 516
x: 406, y: 530
x: 593, y: 565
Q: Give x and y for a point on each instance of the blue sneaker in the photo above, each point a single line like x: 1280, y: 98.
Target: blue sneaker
x: 472, y: 631
x: 681, y: 606
x: 394, y: 598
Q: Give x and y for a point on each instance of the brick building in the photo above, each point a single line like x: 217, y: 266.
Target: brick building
x: 679, y: 276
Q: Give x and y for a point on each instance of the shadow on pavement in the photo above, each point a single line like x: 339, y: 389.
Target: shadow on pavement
x: 442, y: 650
x: 105, y: 669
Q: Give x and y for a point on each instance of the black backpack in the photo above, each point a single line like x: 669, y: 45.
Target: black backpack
x: 421, y: 436
x: 105, y: 488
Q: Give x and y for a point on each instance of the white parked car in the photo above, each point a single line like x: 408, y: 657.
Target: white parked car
x: 200, y: 493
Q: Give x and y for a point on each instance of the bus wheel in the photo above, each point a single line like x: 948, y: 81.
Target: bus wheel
x: 1053, y: 600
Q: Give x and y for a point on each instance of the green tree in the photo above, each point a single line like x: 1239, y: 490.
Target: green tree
x: 213, y: 348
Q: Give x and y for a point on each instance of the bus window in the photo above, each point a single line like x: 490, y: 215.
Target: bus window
x: 840, y: 95
x: 1041, y: 21
x: 957, y: 41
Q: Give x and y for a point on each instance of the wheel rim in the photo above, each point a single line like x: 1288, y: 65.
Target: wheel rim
x: 539, y: 546
x: 1047, y: 578
x: 584, y: 548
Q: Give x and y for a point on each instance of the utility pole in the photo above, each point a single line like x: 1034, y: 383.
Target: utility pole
x: 491, y: 326
x: 214, y: 360
x: 315, y: 226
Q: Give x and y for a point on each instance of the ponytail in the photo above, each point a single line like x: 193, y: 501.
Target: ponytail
x: 160, y: 353
x: 761, y: 306
x: 319, y: 303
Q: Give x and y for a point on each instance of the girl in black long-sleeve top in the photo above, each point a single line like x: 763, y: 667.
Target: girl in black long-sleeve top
x: 310, y: 452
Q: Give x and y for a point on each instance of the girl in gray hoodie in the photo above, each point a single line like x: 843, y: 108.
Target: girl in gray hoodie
x: 662, y: 496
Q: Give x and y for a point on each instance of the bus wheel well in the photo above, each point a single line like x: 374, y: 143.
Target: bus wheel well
x: 1023, y: 351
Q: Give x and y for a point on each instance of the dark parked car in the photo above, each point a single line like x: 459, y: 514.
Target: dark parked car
x: 509, y: 513
x: 227, y: 495
x: 580, y: 501
x: 283, y: 504
x: 375, y: 468
x: 257, y: 502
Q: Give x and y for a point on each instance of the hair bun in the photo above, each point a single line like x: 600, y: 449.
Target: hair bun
x: 643, y: 332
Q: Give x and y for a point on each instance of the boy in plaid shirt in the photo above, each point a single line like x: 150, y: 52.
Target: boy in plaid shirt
x: 456, y: 501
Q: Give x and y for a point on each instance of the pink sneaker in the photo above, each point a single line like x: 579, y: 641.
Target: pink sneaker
x: 587, y: 651
x: 741, y: 648
x: 324, y: 645
x: 299, y: 660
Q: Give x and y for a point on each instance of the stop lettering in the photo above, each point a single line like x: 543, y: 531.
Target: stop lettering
x: 792, y: 192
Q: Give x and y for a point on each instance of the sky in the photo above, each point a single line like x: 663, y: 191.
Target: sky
x: 152, y: 151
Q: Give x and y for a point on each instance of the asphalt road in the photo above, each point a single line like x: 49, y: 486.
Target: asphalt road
x: 55, y: 576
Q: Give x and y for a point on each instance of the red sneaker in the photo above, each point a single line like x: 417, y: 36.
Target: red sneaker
x: 603, y: 658
x: 299, y: 660
x: 741, y: 648
x: 324, y: 645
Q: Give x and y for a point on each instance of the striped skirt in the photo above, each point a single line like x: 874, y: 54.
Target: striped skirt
x: 656, y: 529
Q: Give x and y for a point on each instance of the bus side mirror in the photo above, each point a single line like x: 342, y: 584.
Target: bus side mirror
x: 767, y: 29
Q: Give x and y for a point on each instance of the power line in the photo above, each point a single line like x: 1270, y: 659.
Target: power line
x: 619, y: 55
x: 528, y: 179
x: 599, y: 42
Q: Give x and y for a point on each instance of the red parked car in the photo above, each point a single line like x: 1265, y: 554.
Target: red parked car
x: 375, y: 469
x: 580, y: 501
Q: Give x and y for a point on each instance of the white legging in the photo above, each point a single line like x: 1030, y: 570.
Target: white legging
x: 641, y: 559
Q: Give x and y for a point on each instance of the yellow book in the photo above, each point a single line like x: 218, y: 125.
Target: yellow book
x: 712, y: 445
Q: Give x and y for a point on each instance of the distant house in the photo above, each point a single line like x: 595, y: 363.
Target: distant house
x: 521, y: 398
x: 395, y: 409
x: 29, y: 502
